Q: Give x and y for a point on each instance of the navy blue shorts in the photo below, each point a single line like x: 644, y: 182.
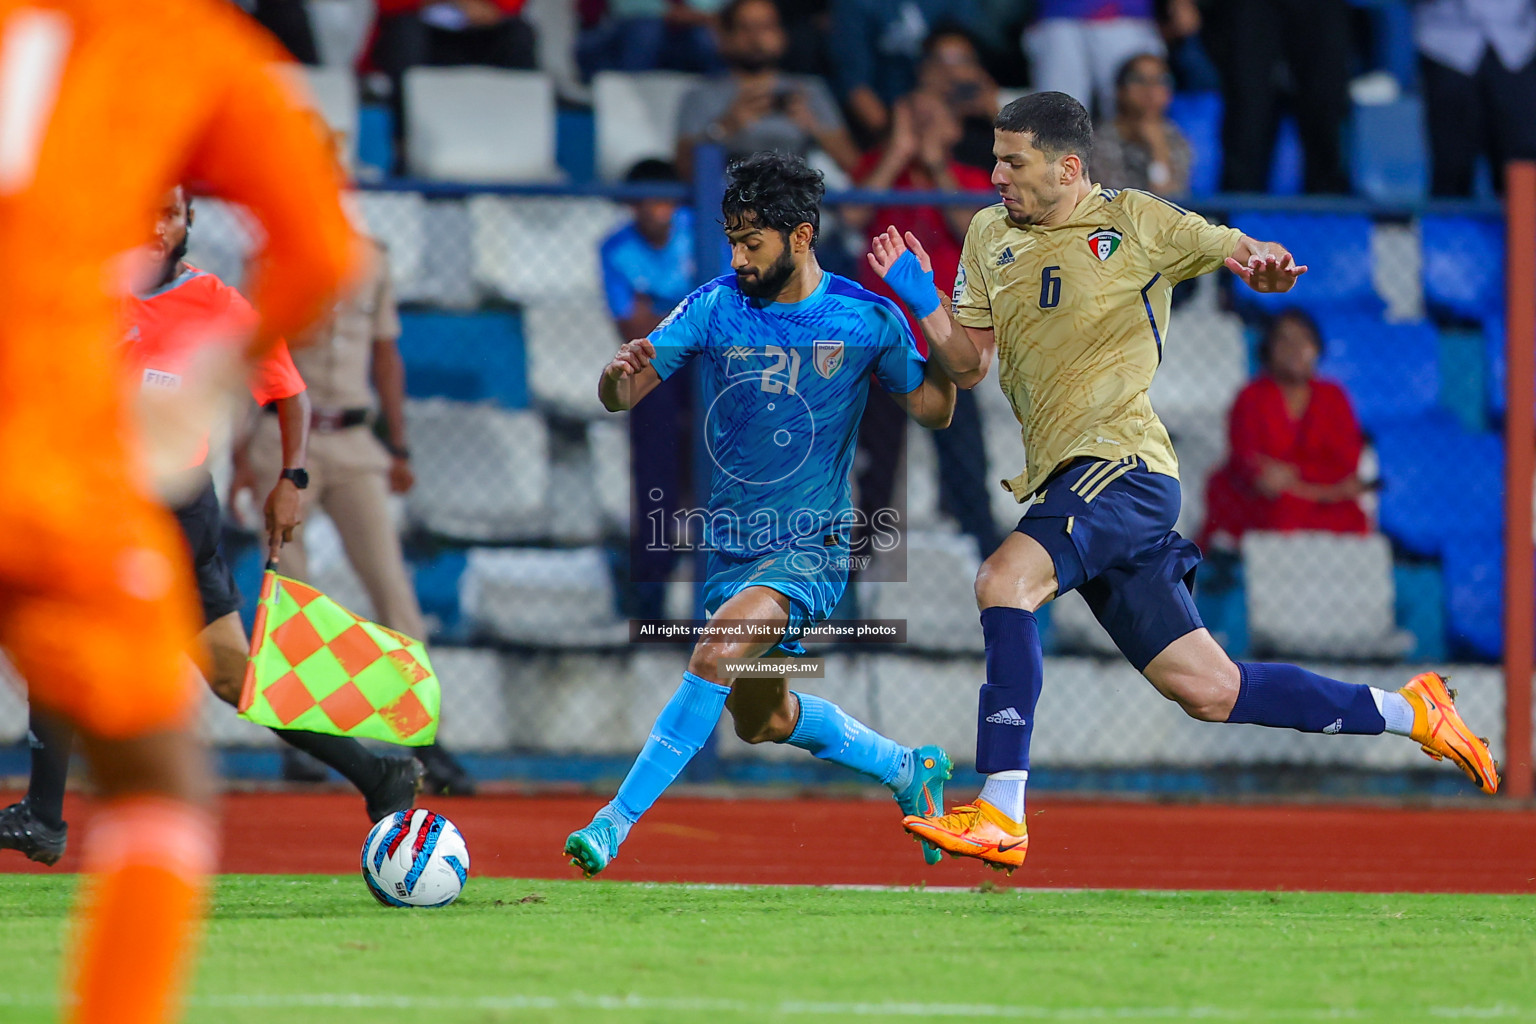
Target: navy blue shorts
x: 1108, y: 527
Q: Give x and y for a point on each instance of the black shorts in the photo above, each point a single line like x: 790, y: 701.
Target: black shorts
x: 1108, y: 527
x: 201, y: 522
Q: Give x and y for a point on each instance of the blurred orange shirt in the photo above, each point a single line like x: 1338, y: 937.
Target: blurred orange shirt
x: 104, y: 106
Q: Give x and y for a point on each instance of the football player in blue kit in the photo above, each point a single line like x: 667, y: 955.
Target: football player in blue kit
x: 785, y: 348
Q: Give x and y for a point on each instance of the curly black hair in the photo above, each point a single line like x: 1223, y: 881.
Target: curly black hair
x: 780, y: 190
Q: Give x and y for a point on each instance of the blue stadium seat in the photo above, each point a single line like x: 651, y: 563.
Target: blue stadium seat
x: 1463, y: 265
x: 1419, y: 589
x: 1285, y: 165
x: 1336, y: 251
x: 1391, y: 371
x: 437, y: 588
x: 1495, y: 362
x: 470, y: 357
x: 1198, y: 115
x: 1389, y: 150
x: 375, y: 142
x: 1474, y: 595
x: 1439, y: 482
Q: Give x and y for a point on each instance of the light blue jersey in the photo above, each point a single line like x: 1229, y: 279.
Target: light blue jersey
x: 785, y: 385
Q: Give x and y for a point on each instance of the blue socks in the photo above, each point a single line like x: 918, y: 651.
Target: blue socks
x: 1015, y: 671
x: 680, y: 730
x: 1288, y: 697
x: 828, y: 732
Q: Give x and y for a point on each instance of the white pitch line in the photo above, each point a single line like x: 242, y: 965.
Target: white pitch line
x: 579, y: 1001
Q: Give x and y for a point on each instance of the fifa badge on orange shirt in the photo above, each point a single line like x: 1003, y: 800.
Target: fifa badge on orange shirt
x: 1104, y: 242
x: 828, y: 358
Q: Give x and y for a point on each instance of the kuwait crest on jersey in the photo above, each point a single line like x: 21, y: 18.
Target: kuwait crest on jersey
x: 827, y: 357
x: 1104, y: 242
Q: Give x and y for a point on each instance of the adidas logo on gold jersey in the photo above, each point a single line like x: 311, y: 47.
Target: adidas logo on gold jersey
x: 1006, y: 258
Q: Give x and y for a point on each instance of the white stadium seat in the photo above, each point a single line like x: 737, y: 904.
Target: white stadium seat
x: 938, y: 599
x: 222, y: 239
x: 474, y: 124
x: 569, y: 343
x: 542, y: 596
x: 1205, y: 365
x: 608, y: 440
x: 482, y: 473
x: 540, y: 249
x: 334, y: 90
x: 1350, y: 616
x: 397, y: 219
x: 636, y: 117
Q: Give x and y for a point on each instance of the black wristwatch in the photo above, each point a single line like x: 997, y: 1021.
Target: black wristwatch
x: 300, y: 477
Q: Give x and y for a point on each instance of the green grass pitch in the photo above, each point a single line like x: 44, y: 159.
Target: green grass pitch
x: 301, y: 949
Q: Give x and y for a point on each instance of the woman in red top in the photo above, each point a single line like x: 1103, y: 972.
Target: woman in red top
x: 1295, y: 446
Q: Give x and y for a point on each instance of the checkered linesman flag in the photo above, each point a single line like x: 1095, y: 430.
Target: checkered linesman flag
x: 317, y: 667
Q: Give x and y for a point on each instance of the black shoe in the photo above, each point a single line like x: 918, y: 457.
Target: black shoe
x: 301, y: 767
x: 444, y: 775
x: 20, y: 830
x: 397, y: 792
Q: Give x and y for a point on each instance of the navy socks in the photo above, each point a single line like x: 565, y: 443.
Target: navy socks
x: 1289, y: 697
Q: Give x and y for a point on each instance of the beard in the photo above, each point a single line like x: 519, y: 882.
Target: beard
x: 768, y: 283
x: 173, y: 258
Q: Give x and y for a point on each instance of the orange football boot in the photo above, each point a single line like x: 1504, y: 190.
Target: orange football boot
x: 974, y: 830
x: 1440, y: 731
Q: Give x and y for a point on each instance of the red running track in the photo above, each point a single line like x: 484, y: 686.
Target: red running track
x: 1074, y: 843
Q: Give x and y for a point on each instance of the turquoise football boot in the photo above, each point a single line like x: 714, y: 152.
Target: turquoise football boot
x: 593, y: 848
x: 924, y: 795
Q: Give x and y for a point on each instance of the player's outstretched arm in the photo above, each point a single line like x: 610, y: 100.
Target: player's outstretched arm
x: 629, y: 377
x: 964, y: 354
x: 1264, y: 266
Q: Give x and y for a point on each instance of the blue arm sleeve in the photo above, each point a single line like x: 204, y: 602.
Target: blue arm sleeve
x: 680, y: 336
x: 900, y: 366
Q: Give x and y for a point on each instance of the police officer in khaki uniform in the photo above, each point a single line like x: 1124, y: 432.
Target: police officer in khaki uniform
x: 354, y: 371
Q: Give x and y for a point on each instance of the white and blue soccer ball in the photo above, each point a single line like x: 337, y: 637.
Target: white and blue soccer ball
x: 415, y: 858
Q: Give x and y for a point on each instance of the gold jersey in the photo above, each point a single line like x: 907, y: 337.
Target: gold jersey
x: 1080, y: 313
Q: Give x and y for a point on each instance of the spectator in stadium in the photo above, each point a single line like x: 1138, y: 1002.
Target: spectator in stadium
x: 1140, y: 147
x: 952, y: 73
x: 648, y: 268
x: 651, y: 35
x: 1261, y: 45
x: 1295, y: 446
x: 920, y: 155
x: 1478, y: 64
x: 879, y: 44
x: 1078, y: 46
x: 452, y: 32
x: 756, y: 107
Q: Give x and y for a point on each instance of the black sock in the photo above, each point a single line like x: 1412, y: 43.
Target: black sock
x: 343, y: 753
x: 50, y: 738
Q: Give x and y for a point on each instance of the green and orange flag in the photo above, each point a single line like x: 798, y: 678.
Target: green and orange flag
x: 317, y: 667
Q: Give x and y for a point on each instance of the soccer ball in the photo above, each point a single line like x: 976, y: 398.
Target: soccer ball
x: 415, y: 858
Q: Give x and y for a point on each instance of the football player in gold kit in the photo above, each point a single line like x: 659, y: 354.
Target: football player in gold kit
x: 1068, y: 286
